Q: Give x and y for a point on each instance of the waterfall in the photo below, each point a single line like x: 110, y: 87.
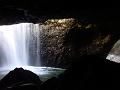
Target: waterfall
x: 20, y: 45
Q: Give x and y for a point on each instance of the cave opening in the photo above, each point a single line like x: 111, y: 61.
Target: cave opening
x: 20, y: 47
x: 58, y: 38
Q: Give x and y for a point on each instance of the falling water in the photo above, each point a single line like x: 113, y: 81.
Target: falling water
x: 20, y: 45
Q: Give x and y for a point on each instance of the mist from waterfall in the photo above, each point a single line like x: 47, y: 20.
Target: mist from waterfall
x: 20, y: 45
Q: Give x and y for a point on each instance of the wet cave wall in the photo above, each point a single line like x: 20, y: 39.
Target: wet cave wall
x: 66, y: 40
x: 66, y: 37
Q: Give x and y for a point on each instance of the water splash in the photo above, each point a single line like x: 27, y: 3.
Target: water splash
x: 20, y: 45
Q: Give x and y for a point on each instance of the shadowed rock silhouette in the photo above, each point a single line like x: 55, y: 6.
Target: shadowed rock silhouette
x: 20, y: 78
x: 87, y: 72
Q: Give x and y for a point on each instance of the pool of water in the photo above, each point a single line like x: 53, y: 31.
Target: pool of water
x: 43, y: 72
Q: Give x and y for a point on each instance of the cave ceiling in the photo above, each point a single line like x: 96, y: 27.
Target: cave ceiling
x: 35, y: 9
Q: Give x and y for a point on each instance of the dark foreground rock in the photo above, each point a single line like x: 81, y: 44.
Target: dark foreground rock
x: 20, y: 79
x: 87, y: 72
x: 91, y: 72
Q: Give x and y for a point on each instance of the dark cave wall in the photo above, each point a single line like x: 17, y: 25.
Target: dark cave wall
x: 64, y: 42
x: 52, y: 40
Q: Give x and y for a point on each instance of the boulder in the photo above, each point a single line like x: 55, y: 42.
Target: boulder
x: 90, y: 72
x: 21, y: 78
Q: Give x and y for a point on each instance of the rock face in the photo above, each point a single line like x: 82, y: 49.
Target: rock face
x: 20, y: 78
x: 90, y: 72
x: 65, y: 39
x: 52, y: 40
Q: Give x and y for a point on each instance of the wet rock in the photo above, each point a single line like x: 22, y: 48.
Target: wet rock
x: 21, y: 78
x: 61, y: 41
x: 27, y: 86
x: 50, y: 84
x: 90, y: 72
